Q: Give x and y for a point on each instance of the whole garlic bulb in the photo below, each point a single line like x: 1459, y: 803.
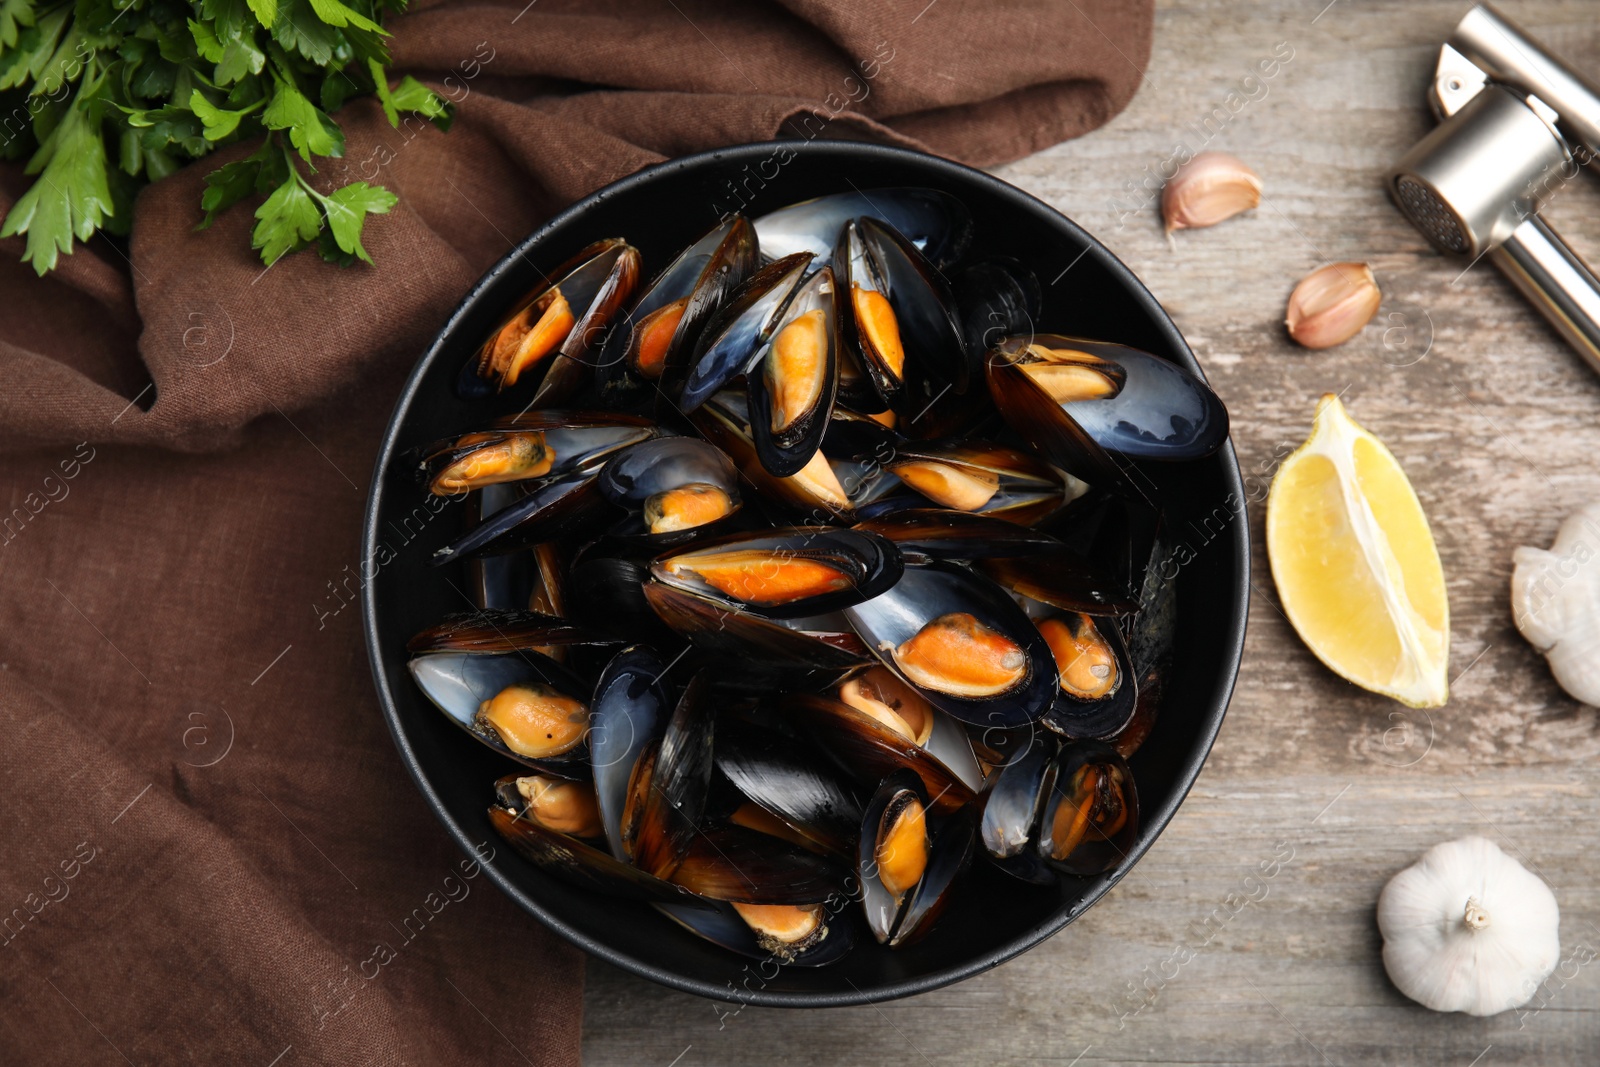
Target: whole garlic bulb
x: 1469, y: 929
x: 1555, y: 600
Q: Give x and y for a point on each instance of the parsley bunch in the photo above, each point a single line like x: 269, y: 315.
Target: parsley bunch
x: 104, y: 96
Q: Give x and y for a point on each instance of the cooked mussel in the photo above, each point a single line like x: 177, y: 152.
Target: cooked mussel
x: 866, y: 749
x: 522, y: 705
x: 881, y: 695
x: 813, y: 491
x: 1098, y: 687
x: 1078, y: 400
x: 567, y: 857
x: 963, y: 643
x: 628, y: 715
x: 1091, y: 815
x: 935, y: 222
x: 907, y: 861
x: 792, y: 388
x: 563, y: 316
x: 671, y: 486
x: 784, y: 573
x: 533, y: 445
x: 653, y: 340
x: 893, y: 852
x: 738, y: 334
x: 978, y: 476
x: 751, y: 646
x: 1012, y: 804
x: 803, y: 935
x: 562, y: 806
x: 897, y: 316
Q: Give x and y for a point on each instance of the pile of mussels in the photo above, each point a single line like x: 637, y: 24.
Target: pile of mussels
x: 809, y: 573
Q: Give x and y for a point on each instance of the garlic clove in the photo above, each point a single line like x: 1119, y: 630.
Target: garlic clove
x: 1555, y: 602
x: 1332, y: 304
x: 1208, y: 189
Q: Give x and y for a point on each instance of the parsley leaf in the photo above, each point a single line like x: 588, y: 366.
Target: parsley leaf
x: 219, y: 122
x: 347, y: 209
x: 335, y: 13
x: 71, y: 196
x: 14, y: 14
x: 311, y: 132
x: 288, y: 221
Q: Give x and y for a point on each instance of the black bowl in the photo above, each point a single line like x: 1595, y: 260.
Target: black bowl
x: 1088, y: 292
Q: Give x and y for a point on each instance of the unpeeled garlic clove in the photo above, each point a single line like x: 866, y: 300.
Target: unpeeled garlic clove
x: 1211, y: 187
x: 1332, y: 304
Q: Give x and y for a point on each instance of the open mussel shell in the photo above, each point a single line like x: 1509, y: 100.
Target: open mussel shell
x: 1060, y: 392
x: 954, y: 844
x: 792, y: 387
x: 1099, y: 685
x: 1091, y: 815
x: 935, y: 222
x: 576, y: 861
x: 898, y: 709
x: 981, y: 477
x: 498, y: 583
x: 784, y: 573
x: 892, y: 850
x: 739, y: 865
x: 553, y: 507
x: 996, y: 298
x: 533, y: 445
x: 674, y: 489
x: 864, y: 748
x: 1012, y: 804
x: 650, y: 344
x: 926, y: 534
x: 500, y: 631
x: 521, y: 704
x: 748, y: 643
x: 673, y: 797
x: 790, y: 781
x: 962, y: 642
x: 738, y: 332
x: 811, y: 935
x: 557, y: 323
x: 870, y: 326
x: 923, y: 312
x: 627, y: 716
x: 814, y: 492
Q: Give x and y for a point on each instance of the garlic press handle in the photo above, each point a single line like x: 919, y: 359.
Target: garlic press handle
x: 1557, y: 281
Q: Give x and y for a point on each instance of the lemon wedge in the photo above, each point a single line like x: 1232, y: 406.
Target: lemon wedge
x: 1355, y: 563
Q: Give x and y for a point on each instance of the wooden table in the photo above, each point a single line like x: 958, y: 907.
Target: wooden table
x: 1498, y: 426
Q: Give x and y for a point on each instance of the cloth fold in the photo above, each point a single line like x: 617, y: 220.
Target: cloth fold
x: 192, y: 732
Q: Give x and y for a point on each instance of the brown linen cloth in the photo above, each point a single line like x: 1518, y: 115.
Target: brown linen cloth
x: 209, y: 852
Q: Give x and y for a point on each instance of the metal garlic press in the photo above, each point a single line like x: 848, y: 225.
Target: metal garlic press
x: 1515, y: 123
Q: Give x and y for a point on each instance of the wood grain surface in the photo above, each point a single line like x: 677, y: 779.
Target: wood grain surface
x: 1247, y: 933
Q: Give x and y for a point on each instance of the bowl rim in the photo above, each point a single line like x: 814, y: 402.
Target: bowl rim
x: 991, y: 956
